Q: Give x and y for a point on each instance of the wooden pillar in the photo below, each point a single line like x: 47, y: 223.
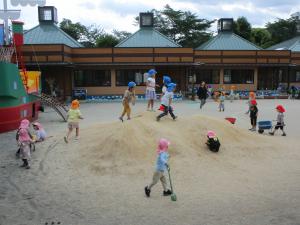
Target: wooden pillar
x: 113, y: 78
x: 222, y: 76
x: 255, y: 82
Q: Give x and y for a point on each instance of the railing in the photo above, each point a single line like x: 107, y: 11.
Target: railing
x: 6, y: 54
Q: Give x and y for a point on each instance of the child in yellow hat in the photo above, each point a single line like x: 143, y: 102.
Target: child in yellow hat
x: 74, y: 115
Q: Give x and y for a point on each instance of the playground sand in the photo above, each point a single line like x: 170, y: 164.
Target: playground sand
x: 254, y: 179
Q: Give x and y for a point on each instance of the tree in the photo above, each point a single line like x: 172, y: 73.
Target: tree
x: 107, y: 41
x: 282, y: 30
x: 261, y: 37
x: 183, y: 27
x: 121, y: 35
x: 75, y: 30
x: 242, y: 28
x: 84, y: 35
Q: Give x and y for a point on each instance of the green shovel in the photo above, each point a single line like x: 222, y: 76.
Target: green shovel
x: 173, y: 195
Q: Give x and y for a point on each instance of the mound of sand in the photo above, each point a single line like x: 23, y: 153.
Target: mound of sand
x: 130, y: 146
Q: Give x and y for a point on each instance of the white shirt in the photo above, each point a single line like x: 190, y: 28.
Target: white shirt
x: 166, y: 98
x: 150, y: 84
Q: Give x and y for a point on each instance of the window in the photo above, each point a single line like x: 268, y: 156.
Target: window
x: 208, y: 76
x: 295, y: 77
x: 92, y: 78
x: 238, y: 76
x: 125, y: 76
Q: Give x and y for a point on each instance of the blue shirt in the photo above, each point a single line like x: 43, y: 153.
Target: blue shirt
x: 161, y: 161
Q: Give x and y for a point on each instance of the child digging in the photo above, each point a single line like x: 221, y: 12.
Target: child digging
x: 161, y: 166
x: 253, y: 114
x: 166, y: 102
x: 280, y: 120
x: 40, y: 133
x: 24, y: 141
x: 129, y: 96
x: 74, y: 115
x: 212, y: 142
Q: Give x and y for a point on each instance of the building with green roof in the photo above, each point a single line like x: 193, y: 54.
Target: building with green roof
x: 47, y: 32
x: 228, y: 41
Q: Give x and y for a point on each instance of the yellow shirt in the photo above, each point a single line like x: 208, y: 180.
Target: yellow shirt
x: 74, y: 115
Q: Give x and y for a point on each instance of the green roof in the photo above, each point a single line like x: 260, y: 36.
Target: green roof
x: 49, y: 34
x: 291, y: 44
x: 228, y: 41
x: 147, y: 37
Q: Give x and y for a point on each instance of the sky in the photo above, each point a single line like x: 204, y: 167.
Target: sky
x: 119, y: 14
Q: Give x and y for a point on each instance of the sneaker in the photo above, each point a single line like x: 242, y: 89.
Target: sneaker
x: 157, y: 119
x: 251, y: 129
x: 121, y: 118
x: 76, y: 138
x: 284, y: 134
x: 27, y: 167
x: 174, y: 118
x: 167, y: 193
x: 271, y: 133
x: 66, y: 139
x: 147, y: 191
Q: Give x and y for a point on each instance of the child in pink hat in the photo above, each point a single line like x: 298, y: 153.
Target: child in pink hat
x: 161, y: 166
x: 24, y: 139
x: 212, y: 142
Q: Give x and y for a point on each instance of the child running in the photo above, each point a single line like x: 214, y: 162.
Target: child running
x: 129, y: 96
x: 73, y: 115
x: 40, y: 133
x: 280, y: 120
x: 253, y: 114
x: 212, y: 142
x: 222, y: 102
x: 150, y: 89
x: 24, y: 141
x: 161, y: 166
x: 166, y: 102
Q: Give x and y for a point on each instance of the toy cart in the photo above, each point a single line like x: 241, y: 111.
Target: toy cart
x: 264, y: 125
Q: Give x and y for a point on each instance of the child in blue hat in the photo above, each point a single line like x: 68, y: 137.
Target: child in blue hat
x: 150, y: 89
x: 129, y: 96
x: 166, y: 102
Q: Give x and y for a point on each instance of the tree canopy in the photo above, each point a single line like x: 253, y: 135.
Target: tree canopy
x: 183, y: 27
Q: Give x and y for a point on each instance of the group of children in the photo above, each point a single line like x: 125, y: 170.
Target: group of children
x: 166, y: 98
x: 254, y: 113
x: 26, y: 140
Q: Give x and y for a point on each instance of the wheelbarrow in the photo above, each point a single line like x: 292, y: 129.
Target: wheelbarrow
x: 231, y: 119
x: 264, y: 125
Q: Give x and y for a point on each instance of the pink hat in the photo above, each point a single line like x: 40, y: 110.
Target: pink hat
x: 211, y: 134
x: 38, y: 125
x: 163, y: 145
x: 24, y: 124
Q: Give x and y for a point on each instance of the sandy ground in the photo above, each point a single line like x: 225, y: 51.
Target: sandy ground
x: 254, y: 179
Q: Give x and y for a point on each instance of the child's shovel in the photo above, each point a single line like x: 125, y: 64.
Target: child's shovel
x: 173, y: 195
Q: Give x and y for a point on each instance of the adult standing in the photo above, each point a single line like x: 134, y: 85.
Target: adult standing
x: 150, y: 89
x: 202, y: 94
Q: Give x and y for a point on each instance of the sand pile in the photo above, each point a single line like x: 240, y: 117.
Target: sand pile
x: 130, y: 146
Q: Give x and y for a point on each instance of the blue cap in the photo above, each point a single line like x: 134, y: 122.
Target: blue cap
x: 171, y: 87
x: 152, y: 72
x: 131, y: 84
x: 166, y: 79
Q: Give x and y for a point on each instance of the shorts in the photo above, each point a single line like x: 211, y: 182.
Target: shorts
x: 150, y: 95
x: 72, y: 125
x: 279, y: 125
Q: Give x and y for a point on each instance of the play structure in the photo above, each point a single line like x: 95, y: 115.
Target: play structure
x: 20, y: 92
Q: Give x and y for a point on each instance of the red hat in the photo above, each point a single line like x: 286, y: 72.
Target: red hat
x: 280, y: 108
x: 253, y: 102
